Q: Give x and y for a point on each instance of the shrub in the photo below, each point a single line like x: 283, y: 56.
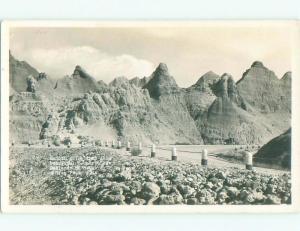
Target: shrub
x: 98, y: 142
x: 136, y: 152
x: 83, y: 139
x: 56, y: 140
x: 67, y: 140
x: 182, y: 143
x: 29, y: 142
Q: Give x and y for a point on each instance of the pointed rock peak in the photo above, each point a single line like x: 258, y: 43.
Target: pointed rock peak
x: 257, y: 71
x: 287, y: 75
x: 258, y: 64
x: 161, y: 76
x: 210, y: 75
x: 162, y: 69
x: 227, y: 77
x: 286, y: 80
x: 161, y: 82
x: 80, y: 72
x: 225, y: 87
x: 78, y: 68
x: 206, y: 80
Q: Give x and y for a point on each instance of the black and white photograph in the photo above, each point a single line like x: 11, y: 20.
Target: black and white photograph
x: 149, y: 116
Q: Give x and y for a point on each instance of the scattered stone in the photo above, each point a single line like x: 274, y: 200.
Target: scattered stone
x: 92, y: 203
x: 222, y: 196
x: 123, y: 176
x: 192, y: 201
x: 233, y: 192
x: 166, y: 200
x: 186, y: 191
x: 116, y: 189
x: 173, y: 183
x: 137, y: 201
x: 150, y: 190
x: 221, y: 175
x: 272, y: 199
x: 114, y: 199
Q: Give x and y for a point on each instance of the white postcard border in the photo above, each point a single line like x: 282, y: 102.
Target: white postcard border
x: 5, y: 207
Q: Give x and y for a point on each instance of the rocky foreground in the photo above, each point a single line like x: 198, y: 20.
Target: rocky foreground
x: 121, y: 179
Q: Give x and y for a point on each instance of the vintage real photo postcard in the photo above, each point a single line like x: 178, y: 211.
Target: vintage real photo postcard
x: 150, y: 117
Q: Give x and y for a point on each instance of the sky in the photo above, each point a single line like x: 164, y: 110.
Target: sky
x: 189, y: 50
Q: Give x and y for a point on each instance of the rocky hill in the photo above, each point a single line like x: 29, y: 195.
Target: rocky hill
x: 26, y: 116
x: 161, y: 82
x: 276, y: 152
x: 19, y: 71
x: 79, y: 82
x: 262, y: 89
x: 151, y: 109
x: 24, y: 77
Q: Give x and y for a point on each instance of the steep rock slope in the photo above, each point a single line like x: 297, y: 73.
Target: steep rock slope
x: 130, y: 112
x: 26, y: 116
x: 276, y: 152
x: 286, y: 88
x: 227, y: 119
x: 261, y: 88
x: 269, y: 96
x: 25, y: 78
x: 169, y: 100
x: 18, y: 73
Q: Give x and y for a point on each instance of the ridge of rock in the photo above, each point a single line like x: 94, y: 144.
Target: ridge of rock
x: 215, y: 110
x: 119, y: 81
x: 139, y: 82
